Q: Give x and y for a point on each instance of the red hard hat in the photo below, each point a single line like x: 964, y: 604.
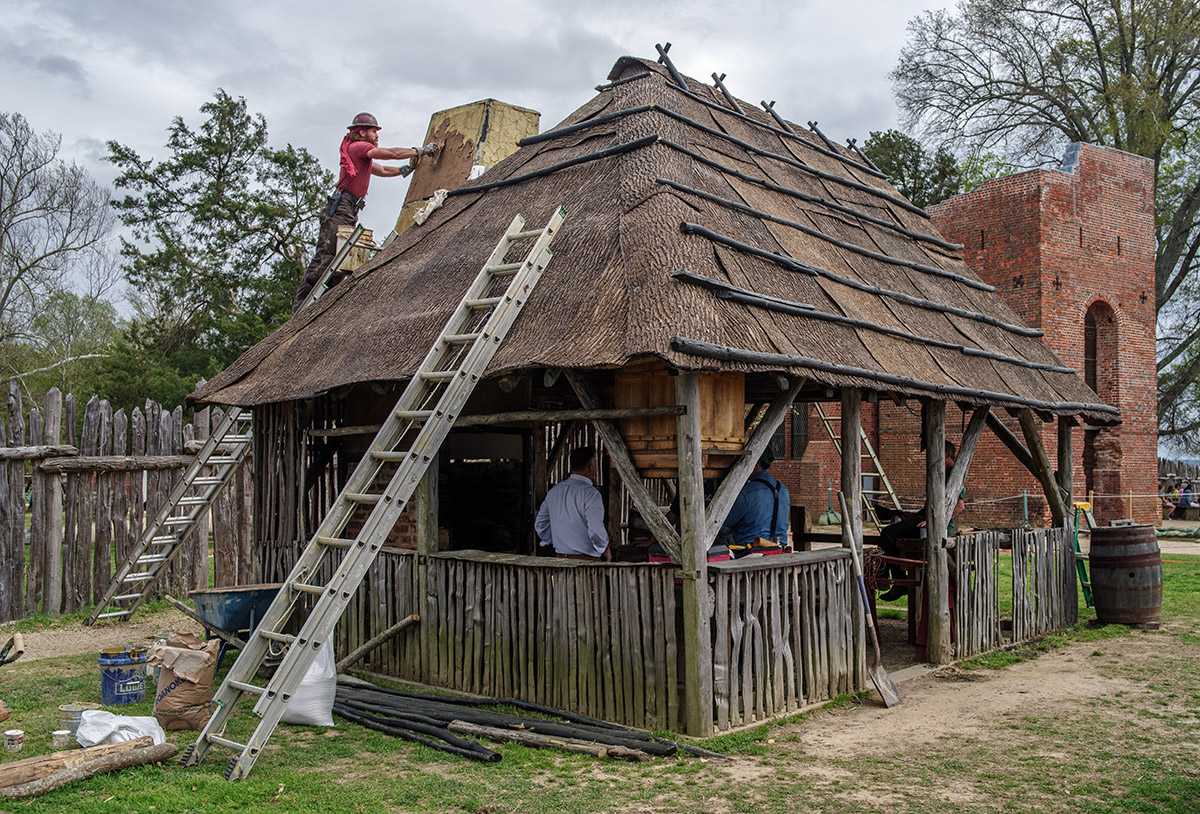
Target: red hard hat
x: 364, y: 120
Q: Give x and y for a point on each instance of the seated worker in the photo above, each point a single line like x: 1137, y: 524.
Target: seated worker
x: 759, y: 517
x: 910, y: 524
x: 572, y: 515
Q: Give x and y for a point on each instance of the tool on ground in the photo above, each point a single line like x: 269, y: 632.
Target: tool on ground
x: 875, y: 470
x: 829, y: 517
x: 883, y: 682
x: 380, y: 486
x: 13, y: 650
x: 202, y: 480
x: 1083, y: 510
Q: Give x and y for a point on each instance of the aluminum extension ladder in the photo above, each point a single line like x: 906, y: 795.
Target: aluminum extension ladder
x: 868, y: 454
x: 339, y: 258
x: 381, y: 484
x: 221, y: 454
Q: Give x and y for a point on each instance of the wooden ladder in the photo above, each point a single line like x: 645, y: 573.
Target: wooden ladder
x: 875, y: 470
x: 381, y: 484
x: 221, y: 455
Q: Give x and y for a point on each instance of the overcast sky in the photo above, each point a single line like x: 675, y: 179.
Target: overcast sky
x: 121, y: 69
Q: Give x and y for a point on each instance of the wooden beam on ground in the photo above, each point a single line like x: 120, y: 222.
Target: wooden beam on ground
x: 1010, y: 440
x: 1041, y: 466
x: 35, y: 768
x: 937, y: 574
x: 962, y: 463
x: 697, y: 642
x: 91, y: 768
x: 735, y: 479
x: 666, y: 536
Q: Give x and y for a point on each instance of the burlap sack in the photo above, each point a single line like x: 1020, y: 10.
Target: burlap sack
x: 185, y: 681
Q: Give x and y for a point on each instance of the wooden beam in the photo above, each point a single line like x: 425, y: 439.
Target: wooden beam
x: 731, y: 486
x: 37, y: 452
x: 851, y: 443
x: 113, y: 463
x: 937, y: 574
x: 697, y: 644
x: 427, y: 509
x: 1066, y: 463
x: 1041, y: 466
x: 966, y: 450
x: 666, y: 536
x: 551, y: 416
x: 560, y: 445
x: 1010, y: 440
x: 375, y: 641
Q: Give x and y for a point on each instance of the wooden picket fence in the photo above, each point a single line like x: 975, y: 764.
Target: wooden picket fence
x: 73, y: 505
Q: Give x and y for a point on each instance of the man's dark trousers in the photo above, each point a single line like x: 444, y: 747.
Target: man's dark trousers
x: 346, y: 214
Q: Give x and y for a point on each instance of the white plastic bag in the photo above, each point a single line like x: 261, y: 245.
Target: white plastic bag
x: 312, y: 702
x: 97, y: 726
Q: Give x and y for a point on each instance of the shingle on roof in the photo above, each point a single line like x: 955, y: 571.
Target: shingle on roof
x: 709, y: 238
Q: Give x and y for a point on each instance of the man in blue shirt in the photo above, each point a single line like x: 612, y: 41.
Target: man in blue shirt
x: 760, y: 511
x: 572, y: 516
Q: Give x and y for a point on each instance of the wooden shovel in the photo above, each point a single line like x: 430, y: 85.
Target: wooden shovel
x: 883, y: 682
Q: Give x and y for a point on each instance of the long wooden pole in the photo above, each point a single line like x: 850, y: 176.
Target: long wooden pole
x: 697, y: 644
x: 52, y: 593
x: 937, y: 574
x: 966, y: 451
x: 1041, y: 466
x: 1066, y: 463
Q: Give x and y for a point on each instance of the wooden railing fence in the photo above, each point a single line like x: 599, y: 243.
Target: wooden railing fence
x: 72, y: 506
x: 975, y: 561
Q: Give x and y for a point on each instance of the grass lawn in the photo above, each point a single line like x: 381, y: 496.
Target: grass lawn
x: 986, y: 736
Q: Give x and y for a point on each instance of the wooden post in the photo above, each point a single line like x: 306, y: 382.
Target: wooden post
x: 852, y: 462
x: 1065, y: 477
x: 427, y: 543
x: 937, y: 575
x: 541, y: 471
x: 697, y: 646
x: 1041, y: 465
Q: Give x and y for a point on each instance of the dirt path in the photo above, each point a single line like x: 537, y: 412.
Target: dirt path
x: 75, y: 639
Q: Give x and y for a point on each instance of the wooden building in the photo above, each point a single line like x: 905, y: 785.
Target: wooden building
x: 717, y: 264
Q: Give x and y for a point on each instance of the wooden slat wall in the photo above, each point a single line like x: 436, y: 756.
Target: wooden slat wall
x: 976, y: 617
x: 1044, y: 581
x: 784, y: 637
x: 83, y: 523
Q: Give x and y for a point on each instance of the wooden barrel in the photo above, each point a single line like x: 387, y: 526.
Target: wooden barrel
x: 1126, y: 575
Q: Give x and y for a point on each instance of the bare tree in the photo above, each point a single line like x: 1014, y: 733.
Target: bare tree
x: 53, y: 216
x: 1025, y: 77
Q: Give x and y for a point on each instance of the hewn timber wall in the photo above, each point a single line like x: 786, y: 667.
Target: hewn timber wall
x: 90, y: 494
x: 785, y: 634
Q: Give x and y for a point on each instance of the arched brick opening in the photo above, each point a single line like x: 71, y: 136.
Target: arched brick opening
x: 1102, y: 451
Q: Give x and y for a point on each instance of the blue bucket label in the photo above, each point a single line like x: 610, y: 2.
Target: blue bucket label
x: 136, y: 685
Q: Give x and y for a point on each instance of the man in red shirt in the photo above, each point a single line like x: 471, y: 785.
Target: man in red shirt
x: 359, y: 150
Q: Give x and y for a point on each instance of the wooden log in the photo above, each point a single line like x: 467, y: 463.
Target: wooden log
x: 35, y: 570
x: 966, y: 450
x: 1006, y: 436
x: 85, y: 504
x: 375, y: 641
x: 37, y: 451
x: 35, y: 768
x: 937, y: 576
x: 53, y: 593
x: 114, y: 463
x: 122, y: 544
x: 101, y: 765
x: 102, y: 517
x: 72, y: 600
x: 697, y: 646
x: 1065, y: 476
x: 547, y: 741
x: 851, y: 443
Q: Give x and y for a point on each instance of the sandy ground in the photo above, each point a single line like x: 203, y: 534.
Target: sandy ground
x: 74, y: 639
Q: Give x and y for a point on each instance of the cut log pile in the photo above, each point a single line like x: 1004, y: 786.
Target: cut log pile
x: 38, y: 775
x: 437, y: 721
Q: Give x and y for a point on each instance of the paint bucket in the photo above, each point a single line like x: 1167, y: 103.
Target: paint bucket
x: 14, y: 739
x: 60, y: 738
x: 123, y: 675
x: 1126, y: 575
x: 69, y: 716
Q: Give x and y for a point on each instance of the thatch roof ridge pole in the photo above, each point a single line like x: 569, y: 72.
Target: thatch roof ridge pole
x: 623, y: 80
x: 817, y: 233
x: 607, y: 152
x: 937, y: 573
x: 728, y: 291
x: 815, y: 271
x: 697, y: 644
x: 779, y: 120
x: 814, y: 199
x: 695, y: 347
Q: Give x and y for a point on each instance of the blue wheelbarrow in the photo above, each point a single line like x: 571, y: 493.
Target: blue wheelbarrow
x: 230, y: 613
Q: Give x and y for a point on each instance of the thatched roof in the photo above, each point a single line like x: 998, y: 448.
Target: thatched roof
x: 707, y: 237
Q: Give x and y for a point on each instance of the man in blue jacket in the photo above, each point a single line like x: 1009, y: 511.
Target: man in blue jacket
x: 760, y: 512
